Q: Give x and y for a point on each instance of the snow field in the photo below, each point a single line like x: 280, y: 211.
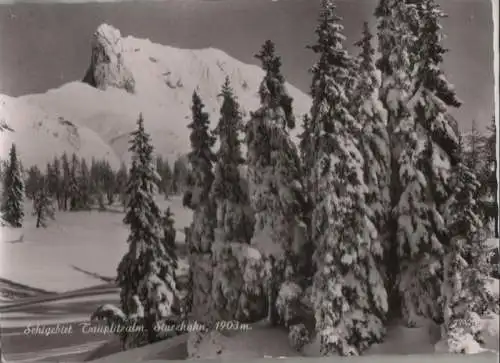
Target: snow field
x: 91, y: 241
x: 403, y: 345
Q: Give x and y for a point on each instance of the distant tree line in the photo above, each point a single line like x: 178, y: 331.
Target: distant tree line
x: 72, y: 183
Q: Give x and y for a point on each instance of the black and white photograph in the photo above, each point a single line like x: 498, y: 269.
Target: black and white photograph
x: 237, y: 180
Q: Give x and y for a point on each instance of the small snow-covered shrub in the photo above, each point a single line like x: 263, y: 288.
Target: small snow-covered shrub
x: 287, y: 303
x: 127, y: 328
x: 462, y: 336
x: 294, y: 307
x: 109, y: 313
x: 298, y: 336
x: 238, y: 282
x: 129, y: 85
x: 227, y: 280
x: 471, y: 334
x: 252, y: 304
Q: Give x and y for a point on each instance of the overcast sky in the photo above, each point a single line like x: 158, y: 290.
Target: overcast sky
x: 45, y: 45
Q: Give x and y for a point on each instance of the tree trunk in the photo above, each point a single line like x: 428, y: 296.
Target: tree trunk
x: 110, y: 198
x: 273, y: 290
x: 102, y: 207
x: 201, y: 264
x: 150, y: 329
x: 38, y: 218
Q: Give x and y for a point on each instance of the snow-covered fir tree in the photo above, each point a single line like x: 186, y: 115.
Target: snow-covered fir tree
x: 305, y: 266
x: 305, y: 143
x: 74, y: 185
x: 188, y: 299
x: 489, y: 178
x: 201, y: 159
x: 275, y: 177
x: 96, y: 184
x: 49, y: 173
x: 424, y: 144
x: 166, y: 175
x: 121, y: 185
x: 33, y: 182
x: 145, y: 273
x: 375, y: 140
x: 228, y: 190
x: 84, y: 186
x: 432, y: 108
x: 374, y: 146
x: 53, y: 173
x: 480, y: 156
x: 56, y: 182
x: 169, y: 234
x: 66, y: 180
x: 109, y: 181
x: 465, y: 296
x: 180, y: 182
x: 103, y: 182
x: 43, y: 207
x: 394, y: 40
x: 348, y: 291
x: 473, y: 149
x: 233, y: 224
x: 13, y: 191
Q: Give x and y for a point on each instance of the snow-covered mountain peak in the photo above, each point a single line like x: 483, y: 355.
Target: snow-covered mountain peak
x: 107, y: 68
x: 127, y: 76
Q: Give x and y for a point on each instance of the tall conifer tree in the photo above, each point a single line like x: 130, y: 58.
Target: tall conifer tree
x: 489, y: 179
x: 145, y: 273
x: 13, y: 191
x: 275, y: 176
x: 425, y: 155
x: 412, y: 253
x: 43, y: 204
x: 201, y: 159
x: 234, y: 225
x: 348, y: 292
x: 465, y: 297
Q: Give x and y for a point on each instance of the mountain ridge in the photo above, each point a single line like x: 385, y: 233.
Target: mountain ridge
x: 128, y: 76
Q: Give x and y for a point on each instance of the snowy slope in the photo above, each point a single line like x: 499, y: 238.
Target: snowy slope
x: 41, y: 135
x: 164, y: 79
x: 74, y: 248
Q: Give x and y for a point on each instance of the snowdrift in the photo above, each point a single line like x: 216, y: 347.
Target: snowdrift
x: 262, y: 343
